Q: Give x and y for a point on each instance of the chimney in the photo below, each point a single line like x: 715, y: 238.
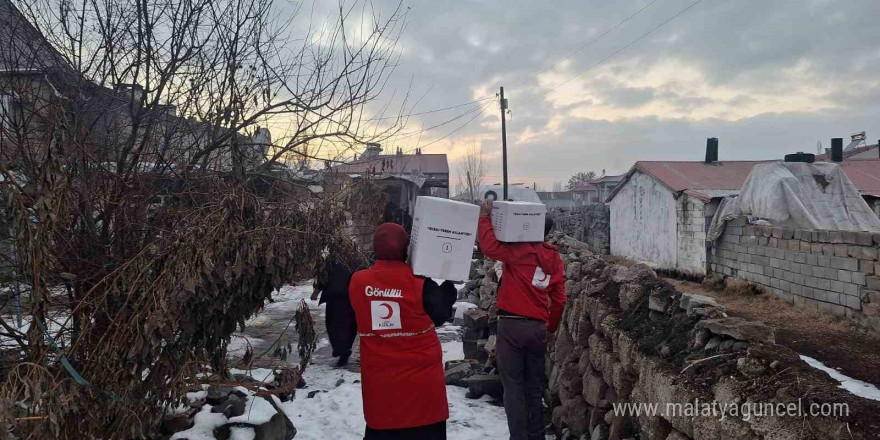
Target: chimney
x: 837, y: 149
x: 711, y: 150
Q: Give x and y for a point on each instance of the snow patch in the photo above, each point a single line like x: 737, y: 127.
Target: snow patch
x: 855, y: 386
x: 203, y: 428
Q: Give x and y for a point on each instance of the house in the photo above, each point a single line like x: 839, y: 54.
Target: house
x: 605, y: 185
x: 585, y: 194
x: 563, y: 200
x: 661, y: 210
x: 404, y: 177
x: 39, y: 88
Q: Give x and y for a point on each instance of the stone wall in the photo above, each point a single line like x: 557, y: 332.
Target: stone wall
x: 589, y: 224
x: 834, y: 271
x: 628, y: 337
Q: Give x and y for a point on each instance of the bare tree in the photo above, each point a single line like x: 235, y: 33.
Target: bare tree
x: 471, y: 173
x: 581, y: 178
x: 147, y: 218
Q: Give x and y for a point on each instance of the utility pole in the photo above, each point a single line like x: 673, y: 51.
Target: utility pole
x: 504, y: 139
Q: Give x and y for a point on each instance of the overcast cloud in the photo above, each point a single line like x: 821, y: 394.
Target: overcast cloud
x: 765, y: 77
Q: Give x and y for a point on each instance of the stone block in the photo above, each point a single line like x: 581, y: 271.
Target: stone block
x: 594, y: 387
x: 845, y: 263
x: 873, y: 282
x: 849, y: 237
x: 828, y: 249
x: 844, y: 276
x: 841, y: 250
x: 864, y: 238
x: 858, y: 278
x: 835, y: 237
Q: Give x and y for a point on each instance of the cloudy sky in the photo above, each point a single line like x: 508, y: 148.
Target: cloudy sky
x: 765, y: 77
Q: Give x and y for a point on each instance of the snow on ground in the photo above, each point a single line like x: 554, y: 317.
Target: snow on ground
x: 855, y: 386
x: 240, y: 344
x: 335, y: 409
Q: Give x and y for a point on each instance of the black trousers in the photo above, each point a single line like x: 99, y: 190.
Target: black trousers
x: 437, y: 431
x: 341, y: 324
x: 522, y: 345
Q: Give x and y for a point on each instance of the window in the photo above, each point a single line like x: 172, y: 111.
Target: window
x: 9, y: 107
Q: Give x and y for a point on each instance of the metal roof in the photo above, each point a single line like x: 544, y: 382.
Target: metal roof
x: 707, y: 181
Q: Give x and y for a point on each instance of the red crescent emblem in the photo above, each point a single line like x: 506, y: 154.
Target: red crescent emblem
x: 390, y: 311
x: 544, y: 279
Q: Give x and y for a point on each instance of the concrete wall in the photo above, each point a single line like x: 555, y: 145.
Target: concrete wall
x: 589, y: 224
x: 643, y: 222
x: 691, y: 223
x: 834, y: 271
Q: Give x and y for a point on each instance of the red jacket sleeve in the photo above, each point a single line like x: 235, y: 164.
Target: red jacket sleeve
x: 489, y: 245
x: 557, y: 297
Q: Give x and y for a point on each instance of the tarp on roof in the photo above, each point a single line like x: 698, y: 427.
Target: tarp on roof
x: 798, y: 195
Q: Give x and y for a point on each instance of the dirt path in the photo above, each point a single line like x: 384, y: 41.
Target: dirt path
x: 828, y: 338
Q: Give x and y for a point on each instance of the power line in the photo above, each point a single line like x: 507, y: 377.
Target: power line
x: 401, y: 136
x: 430, y: 111
x: 460, y: 127
x: 613, y: 54
x: 593, y: 41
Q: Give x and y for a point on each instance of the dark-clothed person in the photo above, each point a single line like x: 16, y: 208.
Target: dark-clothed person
x: 403, y: 385
x: 333, y: 285
x: 531, y: 298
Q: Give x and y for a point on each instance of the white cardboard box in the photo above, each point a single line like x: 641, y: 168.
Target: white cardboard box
x: 441, y: 245
x: 518, y: 221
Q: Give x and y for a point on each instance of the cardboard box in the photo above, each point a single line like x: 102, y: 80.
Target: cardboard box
x: 518, y: 221
x: 441, y: 245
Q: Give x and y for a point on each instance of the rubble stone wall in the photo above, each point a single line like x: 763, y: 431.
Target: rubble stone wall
x: 628, y: 337
x: 589, y: 224
x: 834, y: 271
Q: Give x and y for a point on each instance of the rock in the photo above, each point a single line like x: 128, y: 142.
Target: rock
x: 740, y: 346
x: 665, y: 352
x: 471, y: 284
x: 573, y: 271
x: 458, y: 372
x: 658, y: 303
x: 279, y: 427
x: 475, y: 350
x: 218, y: 395
x: 571, y: 379
x: 600, y: 433
x: 750, y: 367
x: 593, y: 387
x: 775, y: 365
x: 231, y: 407
x: 597, y: 417
x: 491, y: 343
x: 339, y: 382
x: 712, y: 344
x: 180, y: 422
x: 630, y: 295
x: 314, y: 393
x: 738, y: 328
x: 726, y: 345
x: 675, y: 435
x: 636, y: 273
x: 484, y: 384
x: 706, y: 313
x: 583, y: 362
x: 701, y: 338
x: 688, y: 302
x: 577, y: 417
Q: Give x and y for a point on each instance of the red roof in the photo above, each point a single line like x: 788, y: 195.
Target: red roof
x: 706, y: 181
x: 865, y: 175
x: 405, y: 163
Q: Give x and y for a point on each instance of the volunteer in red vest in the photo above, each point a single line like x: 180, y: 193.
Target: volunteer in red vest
x: 531, y: 299
x: 404, y: 387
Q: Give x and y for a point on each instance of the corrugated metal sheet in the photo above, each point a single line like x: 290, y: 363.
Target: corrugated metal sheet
x: 865, y: 174
x: 720, y: 179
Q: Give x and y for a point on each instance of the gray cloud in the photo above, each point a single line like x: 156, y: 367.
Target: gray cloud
x: 781, y: 49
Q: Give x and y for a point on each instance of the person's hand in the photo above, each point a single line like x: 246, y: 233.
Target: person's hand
x: 315, y: 294
x: 486, y: 207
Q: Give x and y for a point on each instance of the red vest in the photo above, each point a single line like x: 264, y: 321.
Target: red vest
x: 401, y: 359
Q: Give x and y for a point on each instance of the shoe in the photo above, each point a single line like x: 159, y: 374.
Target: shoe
x: 343, y: 360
